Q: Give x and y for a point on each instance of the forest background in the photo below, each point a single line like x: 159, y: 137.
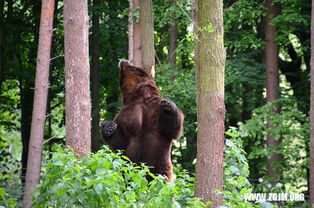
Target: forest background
x: 247, y: 109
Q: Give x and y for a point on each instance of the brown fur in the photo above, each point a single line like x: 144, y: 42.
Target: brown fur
x: 146, y: 125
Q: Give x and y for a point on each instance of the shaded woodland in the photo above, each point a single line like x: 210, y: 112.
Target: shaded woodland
x: 241, y: 74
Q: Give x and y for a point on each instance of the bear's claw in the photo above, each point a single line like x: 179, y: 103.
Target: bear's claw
x: 168, y: 105
x: 108, y: 128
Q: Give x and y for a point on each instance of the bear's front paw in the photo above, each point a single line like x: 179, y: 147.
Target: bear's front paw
x: 108, y: 128
x: 168, y: 105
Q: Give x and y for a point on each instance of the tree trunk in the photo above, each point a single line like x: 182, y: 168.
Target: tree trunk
x: 77, y: 86
x: 1, y: 40
x: 134, y: 35
x: 195, y: 30
x: 172, y: 38
x: 210, y: 102
x: 159, y: 50
x: 272, y: 82
x: 147, y: 36
x: 95, y: 78
x: 40, y: 101
x: 51, y: 67
x: 311, y: 188
x: 130, y: 32
x: 26, y: 84
x: 27, y: 96
x: 4, y: 24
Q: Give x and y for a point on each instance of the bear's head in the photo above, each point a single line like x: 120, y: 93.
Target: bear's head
x: 135, y: 81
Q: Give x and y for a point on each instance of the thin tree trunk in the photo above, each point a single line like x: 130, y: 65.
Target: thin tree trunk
x: 196, y: 33
x: 27, y: 85
x: 245, y: 115
x: 3, y: 36
x: 130, y: 32
x: 40, y: 101
x: 95, y: 78
x: 27, y: 96
x: 272, y: 82
x: 1, y: 40
x: 159, y: 50
x: 49, y: 118
x: 311, y: 188
x: 77, y: 85
x: 134, y: 35
x: 147, y: 36
x: 210, y: 102
x: 172, y: 38
x: 51, y: 67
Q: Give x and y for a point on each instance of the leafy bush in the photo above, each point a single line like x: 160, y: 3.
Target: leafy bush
x: 6, y: 200
x: 292, y: 129
x: 106, y: 179
x: 236, y: 173
x: 10, y: 146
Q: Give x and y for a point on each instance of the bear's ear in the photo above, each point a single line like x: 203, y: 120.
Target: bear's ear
x: 123, y: 63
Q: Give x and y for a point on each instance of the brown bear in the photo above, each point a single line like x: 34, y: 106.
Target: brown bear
x: 147, y: 123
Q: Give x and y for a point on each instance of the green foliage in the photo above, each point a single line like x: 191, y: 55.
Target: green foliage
x: 291, y: 127
x: 9, y: 104
x: 164, y: 11
x: 9, y: 154
x: 244, y: 85
x: 6, y: 202
x: 241, y: 24
x: 294, y: 16
x: 106, y: 179
x: 10, y: 146
x: 236, y: 173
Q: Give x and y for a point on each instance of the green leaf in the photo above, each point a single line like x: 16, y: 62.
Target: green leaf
x: 2, y: 192
x: 244, y: 190
x: 229, y: 143
x: 228, y: 133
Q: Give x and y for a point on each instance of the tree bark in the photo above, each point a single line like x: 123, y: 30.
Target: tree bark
x: 130, y: 32
x: 26, y: 84
x: 210, y: 101
x: 51, y: 67
x: 272, y: 83
x: 77, y: 86
x: 173, y: 38
x: 134, y: 35
x: 95, y: 78
x: 147, y: 36
x: 196, y: 33
x: 40, y: 101
x: 311, y: 188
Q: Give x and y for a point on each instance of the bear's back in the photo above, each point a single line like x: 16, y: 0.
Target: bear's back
x: 148, y: 146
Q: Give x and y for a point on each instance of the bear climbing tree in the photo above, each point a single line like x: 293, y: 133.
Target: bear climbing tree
x: 147, y: 123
